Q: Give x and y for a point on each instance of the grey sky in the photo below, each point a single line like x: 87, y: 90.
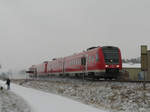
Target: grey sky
x: 32, y: 31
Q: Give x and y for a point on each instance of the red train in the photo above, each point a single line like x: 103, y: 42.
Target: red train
x: 96, y: 62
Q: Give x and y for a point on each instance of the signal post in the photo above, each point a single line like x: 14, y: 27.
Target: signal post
x: 144, y: 63
x: 148, y: 75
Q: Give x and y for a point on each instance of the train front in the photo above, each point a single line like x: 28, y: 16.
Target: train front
x: 113, y: 61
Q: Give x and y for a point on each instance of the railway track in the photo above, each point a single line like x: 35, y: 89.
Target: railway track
x: 74, y: 79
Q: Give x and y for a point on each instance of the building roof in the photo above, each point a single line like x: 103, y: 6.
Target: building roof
x: 131, y: 65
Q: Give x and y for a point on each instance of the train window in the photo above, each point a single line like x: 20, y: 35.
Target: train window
x: 92, y: 59
x: 79, y: 61
x: 97, y: 57
x: 71, y: 62
x: 89, y: 59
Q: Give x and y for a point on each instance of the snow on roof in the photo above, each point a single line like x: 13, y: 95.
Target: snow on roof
x: 131, y: 65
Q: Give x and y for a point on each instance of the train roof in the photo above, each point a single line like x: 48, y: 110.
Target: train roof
x: 111, y: 47
x: 91, y: 48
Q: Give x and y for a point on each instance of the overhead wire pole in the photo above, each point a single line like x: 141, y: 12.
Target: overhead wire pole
x: 86, y: 65
x: 63, y: 72
x: 83, y: 63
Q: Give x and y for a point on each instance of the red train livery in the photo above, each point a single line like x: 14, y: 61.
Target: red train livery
x: 101, y: 62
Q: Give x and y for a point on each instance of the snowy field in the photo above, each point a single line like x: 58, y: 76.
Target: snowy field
x: 110, y: 96
x: 39, y: 102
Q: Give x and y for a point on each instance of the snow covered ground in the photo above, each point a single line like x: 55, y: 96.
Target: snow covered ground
x: 112, y: 96
x: 46, y: 102
x: 10, y: 102
x: 108, y: 96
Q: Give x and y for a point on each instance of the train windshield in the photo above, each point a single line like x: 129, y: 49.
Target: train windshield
x: 111, y: 55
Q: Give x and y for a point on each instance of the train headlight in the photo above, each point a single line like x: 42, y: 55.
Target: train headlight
x: 106, y: 66
x: 117, y: 66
